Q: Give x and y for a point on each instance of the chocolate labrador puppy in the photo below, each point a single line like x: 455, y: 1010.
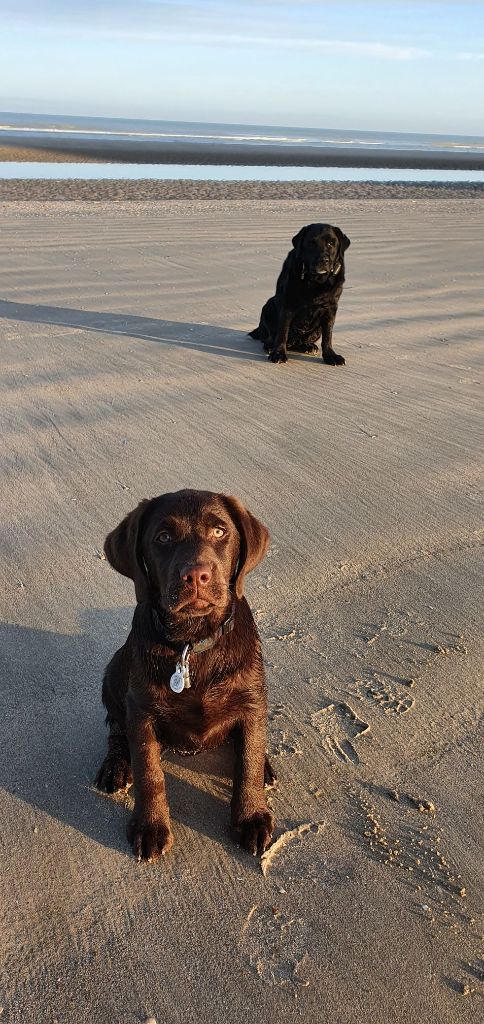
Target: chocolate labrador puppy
x: 190, y: 673
x: 308, y: 290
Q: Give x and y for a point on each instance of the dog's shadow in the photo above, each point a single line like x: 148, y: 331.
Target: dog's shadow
x: 55, y: 738
x: 220, y: 341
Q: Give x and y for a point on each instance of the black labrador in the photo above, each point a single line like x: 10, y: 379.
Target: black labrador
x: 308, y: 289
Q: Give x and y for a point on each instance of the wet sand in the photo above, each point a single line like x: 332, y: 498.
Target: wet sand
x: 166, y: 152
x: 127, y: 371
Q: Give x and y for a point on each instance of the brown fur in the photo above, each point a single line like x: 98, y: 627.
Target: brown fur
x: 187, y: 579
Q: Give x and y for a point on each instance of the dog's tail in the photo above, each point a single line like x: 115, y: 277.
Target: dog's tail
x: 256, y: 333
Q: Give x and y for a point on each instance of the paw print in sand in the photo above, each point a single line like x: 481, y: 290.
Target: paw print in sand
x: 383, y: 694
x: 339, y: 727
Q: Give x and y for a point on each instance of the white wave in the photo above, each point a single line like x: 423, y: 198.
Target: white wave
x: 152, y: 135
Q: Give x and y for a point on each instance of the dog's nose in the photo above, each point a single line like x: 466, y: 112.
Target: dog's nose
x: 199, y: 574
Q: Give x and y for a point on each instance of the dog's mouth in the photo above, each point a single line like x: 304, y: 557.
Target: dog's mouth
x: 195, y: 600
x: 192, y: 605
x: 195, y: 606
x: 328, y: 271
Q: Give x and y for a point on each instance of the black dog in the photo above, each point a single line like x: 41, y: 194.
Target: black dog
x: 308, y: 289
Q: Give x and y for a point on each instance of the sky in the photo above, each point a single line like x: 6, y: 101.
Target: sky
x: 366, y: 64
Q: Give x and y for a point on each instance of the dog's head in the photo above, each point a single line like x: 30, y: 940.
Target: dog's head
x: 188, y: 552
x: 320, y: 251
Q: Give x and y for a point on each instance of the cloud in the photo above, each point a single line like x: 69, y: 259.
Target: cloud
x: 336, y: 47
x: 314, y: 26
x: 208, y: 23
x: 469, y: 56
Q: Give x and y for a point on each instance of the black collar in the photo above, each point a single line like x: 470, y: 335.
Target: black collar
x: 202, y: 645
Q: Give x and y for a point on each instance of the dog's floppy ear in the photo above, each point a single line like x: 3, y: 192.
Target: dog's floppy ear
x: 122, y: 548
x: 297, y: 243
x: 343, y: 239
x: 299, y: 237
x: 254, y: 540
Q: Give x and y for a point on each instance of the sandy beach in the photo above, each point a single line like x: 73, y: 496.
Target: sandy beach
x: 127, y: 371
x: 146, y: 190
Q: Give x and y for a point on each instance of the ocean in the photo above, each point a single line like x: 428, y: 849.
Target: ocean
x: 117, y: 129
x: 237, y: 152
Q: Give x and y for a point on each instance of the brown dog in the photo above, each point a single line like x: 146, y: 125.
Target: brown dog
x: 190, y: 672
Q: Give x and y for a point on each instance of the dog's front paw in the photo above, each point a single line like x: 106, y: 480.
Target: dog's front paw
x: 278, y: 355
x: 149, y: 839
x: 114, y: 774
x: 255, y: 832
x: 332, y: 358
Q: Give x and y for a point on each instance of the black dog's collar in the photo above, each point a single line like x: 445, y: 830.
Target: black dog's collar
x: 202, y: 645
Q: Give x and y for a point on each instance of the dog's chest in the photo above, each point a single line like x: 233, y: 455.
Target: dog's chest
x: 310, y: 306
x: 193, y: 720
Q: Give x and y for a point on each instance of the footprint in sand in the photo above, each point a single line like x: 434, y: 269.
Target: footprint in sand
x: 386, y: 697
x: 339, y: 726
x: 275, y: 946
x: 276, y: 712
x: 283, y: 746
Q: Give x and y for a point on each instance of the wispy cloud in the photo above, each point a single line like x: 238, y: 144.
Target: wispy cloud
x: 336, y: 47
x: 469, y: 56
x: 384, y: 51
x: 171, y: 34
x: 313, y: 26
x: 274, y: 24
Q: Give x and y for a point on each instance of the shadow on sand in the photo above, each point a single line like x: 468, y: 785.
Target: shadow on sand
x: 202, y: 337
x: 55, y: 738
x: 219, y: 341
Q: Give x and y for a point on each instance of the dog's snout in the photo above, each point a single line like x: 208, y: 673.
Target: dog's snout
x: 323, y: 262
x: 198, y: 575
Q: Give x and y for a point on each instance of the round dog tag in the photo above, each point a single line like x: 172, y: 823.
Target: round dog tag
x: 177, y: 682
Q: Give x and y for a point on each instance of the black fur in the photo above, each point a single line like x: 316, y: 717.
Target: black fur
x: 308, y: 290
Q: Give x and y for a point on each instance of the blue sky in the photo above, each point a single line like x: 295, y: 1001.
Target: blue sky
x: 367, y: 64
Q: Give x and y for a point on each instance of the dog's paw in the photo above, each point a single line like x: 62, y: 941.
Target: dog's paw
x: 278, y: 355
x: 114, y: 774
x: 332, y: 358
x: 255, y: 832
x: 149, y: 839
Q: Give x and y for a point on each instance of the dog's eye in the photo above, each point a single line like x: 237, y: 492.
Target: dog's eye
x: 218, y: 531
x: 164, y: 537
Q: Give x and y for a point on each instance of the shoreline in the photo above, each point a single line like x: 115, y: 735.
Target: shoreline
x: 147, y: 190
x: 135, y: 152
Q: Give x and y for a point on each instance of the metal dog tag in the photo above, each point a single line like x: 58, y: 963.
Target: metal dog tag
x: 177, y: 680
x: 181, y: 676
